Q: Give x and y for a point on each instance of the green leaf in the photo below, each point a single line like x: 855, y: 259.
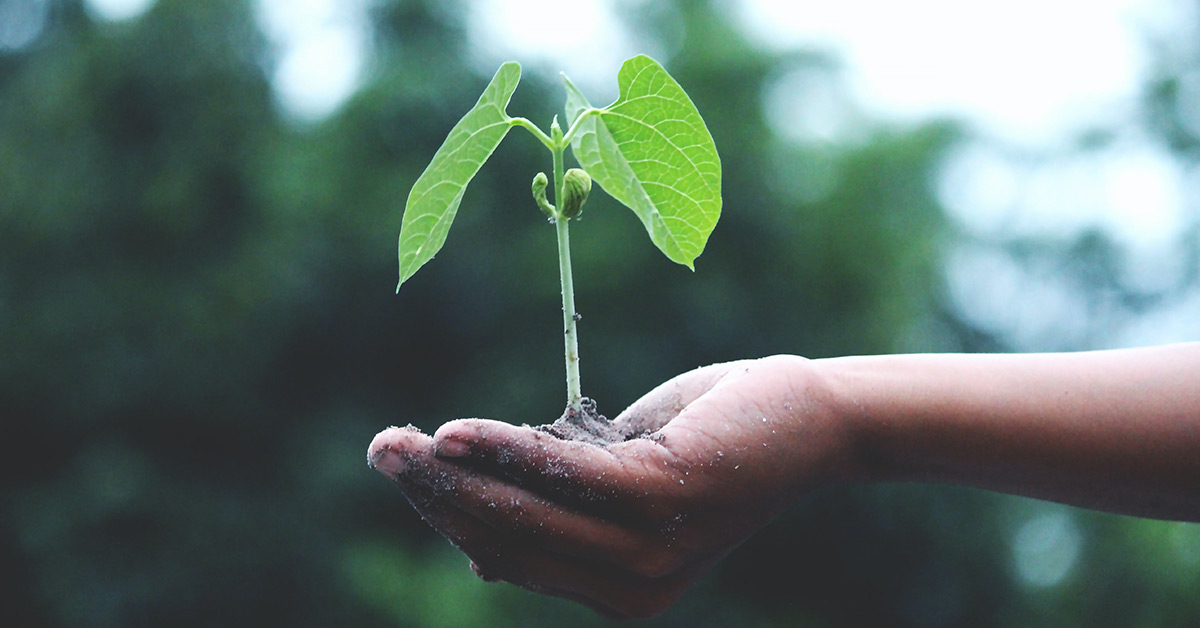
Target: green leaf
x: 435, y: 196
x: 651, y: 151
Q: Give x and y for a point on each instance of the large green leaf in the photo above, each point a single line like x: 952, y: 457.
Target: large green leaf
x: 435, y: 196
x: 651, y: 150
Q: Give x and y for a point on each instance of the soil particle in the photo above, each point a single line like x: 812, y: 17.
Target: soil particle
x: 585, y: 425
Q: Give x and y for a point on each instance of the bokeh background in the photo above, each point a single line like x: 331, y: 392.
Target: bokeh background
x: 199, y: 336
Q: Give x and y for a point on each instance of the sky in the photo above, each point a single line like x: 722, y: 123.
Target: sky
x: 1008, y: 65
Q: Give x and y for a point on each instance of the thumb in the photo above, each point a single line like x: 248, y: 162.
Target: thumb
x: 659, y: 406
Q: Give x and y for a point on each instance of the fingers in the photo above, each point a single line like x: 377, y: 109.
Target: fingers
x: 523, y: 539
x: 393, y: 449
x: 577, y: 474
x: 609, y: 590
x: 495, y: 557
x: 406, y: 456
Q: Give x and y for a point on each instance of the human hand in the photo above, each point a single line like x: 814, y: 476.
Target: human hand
x: 715, y: 454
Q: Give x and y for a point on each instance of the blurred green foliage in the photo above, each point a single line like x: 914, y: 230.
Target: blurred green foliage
x: 199, y: 336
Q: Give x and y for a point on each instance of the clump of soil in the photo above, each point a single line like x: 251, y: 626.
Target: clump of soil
x: 585, y: 425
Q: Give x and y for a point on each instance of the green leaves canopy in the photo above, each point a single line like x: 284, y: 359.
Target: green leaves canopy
x: 651, y: 150
x: 434, y: 199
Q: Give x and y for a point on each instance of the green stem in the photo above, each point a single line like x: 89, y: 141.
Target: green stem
x: 532, y: 128
x: 570, y: 328
x: 571, y: 334
x: 577, y: 124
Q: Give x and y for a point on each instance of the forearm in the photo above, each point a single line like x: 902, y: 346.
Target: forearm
x: 1112, y: 430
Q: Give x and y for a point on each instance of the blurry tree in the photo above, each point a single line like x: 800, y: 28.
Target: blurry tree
x: 147, y: 294
x: 198, y: 335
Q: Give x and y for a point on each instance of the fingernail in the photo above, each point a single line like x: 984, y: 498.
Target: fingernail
x: 382, y: 454
x: 452, y: 448
x: 386, y: 460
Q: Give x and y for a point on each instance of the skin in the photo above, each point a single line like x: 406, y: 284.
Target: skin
x: 625, y: 529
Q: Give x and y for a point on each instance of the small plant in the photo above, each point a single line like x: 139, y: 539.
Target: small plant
x: 650, y: 150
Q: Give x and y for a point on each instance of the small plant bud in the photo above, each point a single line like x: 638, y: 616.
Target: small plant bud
x: 539, y: 194
x: 576, y: 185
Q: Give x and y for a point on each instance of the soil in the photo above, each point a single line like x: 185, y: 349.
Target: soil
x: 585, y: 425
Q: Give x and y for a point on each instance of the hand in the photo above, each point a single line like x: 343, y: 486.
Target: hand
x: 626, y: 528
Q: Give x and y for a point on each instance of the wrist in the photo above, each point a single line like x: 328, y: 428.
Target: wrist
x: 828, y: 437
x: 849, y: 383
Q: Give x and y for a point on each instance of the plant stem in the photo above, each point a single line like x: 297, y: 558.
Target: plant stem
x: 570, y: 328
x: 570, y: 331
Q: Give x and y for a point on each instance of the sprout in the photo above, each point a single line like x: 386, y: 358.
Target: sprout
x: 576, y: 185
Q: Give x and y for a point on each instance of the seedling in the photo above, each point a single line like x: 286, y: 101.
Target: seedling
x: 650, y: 150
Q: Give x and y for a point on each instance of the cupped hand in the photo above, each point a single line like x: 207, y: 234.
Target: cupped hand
x: 715, y: 454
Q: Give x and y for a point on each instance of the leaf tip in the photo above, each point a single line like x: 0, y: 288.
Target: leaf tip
x: 681, y: 258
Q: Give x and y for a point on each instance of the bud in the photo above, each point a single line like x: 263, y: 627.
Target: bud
x: 576, y: 185
x: 539, y: 194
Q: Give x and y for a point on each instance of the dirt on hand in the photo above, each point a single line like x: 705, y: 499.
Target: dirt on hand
x: 585, y: 425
